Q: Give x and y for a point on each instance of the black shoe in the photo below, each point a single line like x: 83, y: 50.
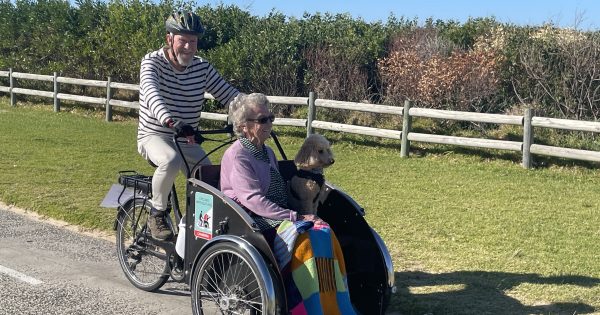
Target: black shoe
x: 159, y: 229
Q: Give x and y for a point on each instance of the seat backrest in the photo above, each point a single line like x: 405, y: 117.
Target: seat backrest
x: 287, y: 168
x: 209, y: 174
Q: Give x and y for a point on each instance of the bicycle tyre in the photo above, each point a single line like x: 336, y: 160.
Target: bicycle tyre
x: 233, y: 287
x: 142, y: 268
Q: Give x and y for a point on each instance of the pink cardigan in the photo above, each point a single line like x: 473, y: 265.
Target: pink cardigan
x: 246, y: 180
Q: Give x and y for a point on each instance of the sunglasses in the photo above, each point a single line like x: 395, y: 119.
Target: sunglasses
x: 263, y: 120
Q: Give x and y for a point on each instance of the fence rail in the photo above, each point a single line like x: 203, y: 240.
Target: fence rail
x: 527, y: 121
x: 467, y: 142
x: 466, y: 116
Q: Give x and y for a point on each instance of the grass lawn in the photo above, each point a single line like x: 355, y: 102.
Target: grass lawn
x: 468, y: 234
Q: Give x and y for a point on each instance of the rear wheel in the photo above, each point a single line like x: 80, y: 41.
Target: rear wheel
x: 229, y: 281
x: 145, y: 265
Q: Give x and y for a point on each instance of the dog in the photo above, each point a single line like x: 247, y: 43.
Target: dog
x: 307, y: 186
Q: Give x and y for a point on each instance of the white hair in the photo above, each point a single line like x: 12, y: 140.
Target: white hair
x: 241, y: 106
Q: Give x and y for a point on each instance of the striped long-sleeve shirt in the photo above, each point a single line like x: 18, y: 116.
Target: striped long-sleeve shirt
x: 166, y: 93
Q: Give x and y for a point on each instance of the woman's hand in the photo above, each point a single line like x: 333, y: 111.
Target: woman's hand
x: 311, y: 217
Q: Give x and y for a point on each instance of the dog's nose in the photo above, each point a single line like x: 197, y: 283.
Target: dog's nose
x: 332, y: 161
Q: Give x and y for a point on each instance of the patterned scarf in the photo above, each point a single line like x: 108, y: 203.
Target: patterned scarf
x: 276, y: 191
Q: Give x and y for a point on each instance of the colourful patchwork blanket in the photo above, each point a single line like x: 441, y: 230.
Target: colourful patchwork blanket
x: 312, y: 266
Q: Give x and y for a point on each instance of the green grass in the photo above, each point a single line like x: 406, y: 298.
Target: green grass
x: 468, y: 233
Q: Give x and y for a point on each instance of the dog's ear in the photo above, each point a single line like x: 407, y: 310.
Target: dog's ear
x: 304, y: 156
x: 307, y: 157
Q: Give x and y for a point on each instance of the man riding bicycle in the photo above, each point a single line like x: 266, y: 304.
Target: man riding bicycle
x: 172, y: 85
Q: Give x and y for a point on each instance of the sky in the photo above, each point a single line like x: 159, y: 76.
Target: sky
x: 580, y: 14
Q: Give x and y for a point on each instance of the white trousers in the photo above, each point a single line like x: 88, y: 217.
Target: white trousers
x: 161, y: 151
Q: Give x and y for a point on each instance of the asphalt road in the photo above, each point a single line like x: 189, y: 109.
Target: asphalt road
x: 46, y: 269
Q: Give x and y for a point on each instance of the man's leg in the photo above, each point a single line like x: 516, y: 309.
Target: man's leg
x: 162, y: 152
x: 193, y: 153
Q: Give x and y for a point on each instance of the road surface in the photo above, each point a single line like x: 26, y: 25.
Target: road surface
x: 46, y: 269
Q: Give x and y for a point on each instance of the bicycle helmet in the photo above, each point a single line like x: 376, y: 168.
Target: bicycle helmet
x: 184, y: 22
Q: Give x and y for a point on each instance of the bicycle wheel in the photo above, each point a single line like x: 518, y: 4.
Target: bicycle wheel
x: 228, y: 281
x: 144, y: 264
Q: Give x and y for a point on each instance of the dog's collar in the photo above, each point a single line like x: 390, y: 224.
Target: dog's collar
x: 316, y: 175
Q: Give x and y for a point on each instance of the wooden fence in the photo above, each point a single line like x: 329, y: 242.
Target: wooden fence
x: 527, y: 120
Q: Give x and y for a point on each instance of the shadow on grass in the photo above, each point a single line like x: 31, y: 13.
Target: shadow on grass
x: 489, y: 154
x: 486, y: 154
x: 479, y: 292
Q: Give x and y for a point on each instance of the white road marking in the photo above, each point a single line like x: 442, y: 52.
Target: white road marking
x: 20, y: 276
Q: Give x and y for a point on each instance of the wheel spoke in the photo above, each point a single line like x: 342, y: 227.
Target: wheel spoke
x: 227, y: 282
x: 213, y: 285
x: 144, y: 264
x: 213, y: 296
x: 238, y: 266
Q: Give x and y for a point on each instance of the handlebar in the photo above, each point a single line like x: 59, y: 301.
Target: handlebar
x: 228, y: 129
x: 199, y: 138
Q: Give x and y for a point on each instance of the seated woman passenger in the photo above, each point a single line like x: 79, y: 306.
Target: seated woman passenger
x: 249, y: 170
x: 309, y: 255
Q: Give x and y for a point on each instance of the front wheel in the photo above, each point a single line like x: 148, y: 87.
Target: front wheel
x: 144, y: 264
x: 229, y: 281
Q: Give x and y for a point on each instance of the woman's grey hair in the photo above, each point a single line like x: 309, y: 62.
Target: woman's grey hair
x: 241, y: 107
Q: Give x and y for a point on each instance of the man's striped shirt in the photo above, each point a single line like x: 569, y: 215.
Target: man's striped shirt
x: 179, y: 95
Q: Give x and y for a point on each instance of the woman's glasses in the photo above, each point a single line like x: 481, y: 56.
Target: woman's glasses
x: 262, y: 120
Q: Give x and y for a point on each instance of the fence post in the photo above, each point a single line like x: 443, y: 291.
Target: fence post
x: 406, y: 124
x: 527, y: 138
x: 108, y: 97
x: 11, y: 85
x: 56, y: 101
x: 311, y: 113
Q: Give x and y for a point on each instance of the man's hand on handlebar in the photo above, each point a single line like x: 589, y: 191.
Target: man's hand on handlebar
x: 182, y: 129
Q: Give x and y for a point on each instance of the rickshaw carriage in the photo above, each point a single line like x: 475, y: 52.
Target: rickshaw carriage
x: 228, y: 263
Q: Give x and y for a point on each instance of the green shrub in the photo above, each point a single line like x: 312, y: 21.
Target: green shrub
x: 480, y: 65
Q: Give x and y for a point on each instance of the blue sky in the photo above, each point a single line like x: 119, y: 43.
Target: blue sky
x: 585, y: 14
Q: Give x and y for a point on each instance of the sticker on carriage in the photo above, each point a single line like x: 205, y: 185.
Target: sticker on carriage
x: 203, y: 219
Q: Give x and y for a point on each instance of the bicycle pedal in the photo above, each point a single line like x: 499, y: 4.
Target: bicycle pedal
x: 176, y: 268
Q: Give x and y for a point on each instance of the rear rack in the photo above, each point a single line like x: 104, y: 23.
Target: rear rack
x: 140, y: 183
